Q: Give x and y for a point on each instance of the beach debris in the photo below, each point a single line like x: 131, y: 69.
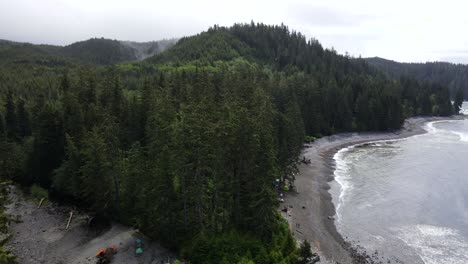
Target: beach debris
x: 315, y: 258
x: 69, y: 220
x: 285, y: 209
x: 139, y: 247
x: 104, y: 255
x: 40, y: 203
x: 331, y: 217
x: 303, y: 207
x: 305, y: 161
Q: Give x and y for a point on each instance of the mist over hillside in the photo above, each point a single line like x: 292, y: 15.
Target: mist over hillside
x: 143, y: 50
x: 94, y: 51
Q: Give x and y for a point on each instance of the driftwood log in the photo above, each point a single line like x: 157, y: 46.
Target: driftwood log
x: 69, y: 220
x: 40, y: 203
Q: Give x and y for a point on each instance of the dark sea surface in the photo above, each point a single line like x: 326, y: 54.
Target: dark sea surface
x: 407, y: 198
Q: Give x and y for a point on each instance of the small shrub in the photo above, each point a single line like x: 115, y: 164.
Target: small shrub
x: 6, y: 257
x: 38, y: 192
x: 310, y: 139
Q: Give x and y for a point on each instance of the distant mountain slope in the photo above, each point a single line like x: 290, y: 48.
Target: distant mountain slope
x: 455, y: 76
x: 20, y: 53
x: 276, y: 47
x: 99, y: 51
x: 334, y: 92
x: 93, y: 51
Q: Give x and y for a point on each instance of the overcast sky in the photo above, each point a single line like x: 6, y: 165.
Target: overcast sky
x: 401, y: 30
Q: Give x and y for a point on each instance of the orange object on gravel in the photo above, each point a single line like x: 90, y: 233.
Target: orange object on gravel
x: 111, y: 249
x: 101, y: 251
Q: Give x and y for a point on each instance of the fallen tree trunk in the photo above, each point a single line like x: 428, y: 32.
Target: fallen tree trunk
x: 69, y: 220
x: 40, y: 203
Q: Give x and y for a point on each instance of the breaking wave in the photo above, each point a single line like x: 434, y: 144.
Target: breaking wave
x: 342, y: 177
x: 429, y: 127
x: 435, y: 244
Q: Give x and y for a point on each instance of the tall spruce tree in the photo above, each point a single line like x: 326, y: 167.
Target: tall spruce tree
x: 458, y: 100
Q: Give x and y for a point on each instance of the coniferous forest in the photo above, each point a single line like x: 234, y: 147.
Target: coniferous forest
x: 186, y: 145
x: 454, y: 76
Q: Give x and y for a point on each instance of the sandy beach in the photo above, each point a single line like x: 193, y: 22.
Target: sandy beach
x: 310, y: 208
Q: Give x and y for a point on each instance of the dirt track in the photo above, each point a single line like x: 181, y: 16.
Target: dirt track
x: 40, y: 237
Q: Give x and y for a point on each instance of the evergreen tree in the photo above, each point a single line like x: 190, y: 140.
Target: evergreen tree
x: 23, y: 117
x: 458, y: 100
x: 48, y: 150
x: 135, y: 171
x: 11, y: 121
x: 305, y: 253
x: 186, y: 145
x: 2, y: 128
x: 73, y: 119
x: 67, y: 178
x: 65, y: 83
x: 96, y: 172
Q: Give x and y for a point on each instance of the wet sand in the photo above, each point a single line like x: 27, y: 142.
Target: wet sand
x: 310, y: 207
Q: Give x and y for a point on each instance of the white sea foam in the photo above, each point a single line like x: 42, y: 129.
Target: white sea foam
x: 435, y: 244
x: 343, y: 178
x: 432, y: 129
x: 429, y: 127
x: 342, y: 175
x: 463, y: 136
x: 436, y: 231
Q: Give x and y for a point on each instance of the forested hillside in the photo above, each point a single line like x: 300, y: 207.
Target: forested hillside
x: 454, y: 76
x: 93, y: 51
x: 188, y: 144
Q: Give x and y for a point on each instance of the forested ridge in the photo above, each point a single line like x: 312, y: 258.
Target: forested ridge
x: 187, y: 145
x: 454, y: 76
x: 93, y: 51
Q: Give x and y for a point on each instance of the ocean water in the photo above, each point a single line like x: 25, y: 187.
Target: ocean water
x: 407, y: 198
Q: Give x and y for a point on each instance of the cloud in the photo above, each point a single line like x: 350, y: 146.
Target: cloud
x: 318, y: 15
x: 398, y: 29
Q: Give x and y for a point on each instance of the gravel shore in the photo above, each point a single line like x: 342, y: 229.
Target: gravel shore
x: 40, y: 236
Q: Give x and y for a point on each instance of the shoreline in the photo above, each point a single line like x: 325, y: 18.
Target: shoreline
x: 310, y: 206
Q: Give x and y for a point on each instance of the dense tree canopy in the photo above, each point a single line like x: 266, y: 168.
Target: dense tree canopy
x: 187, y: 145
x: 453, y: 76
